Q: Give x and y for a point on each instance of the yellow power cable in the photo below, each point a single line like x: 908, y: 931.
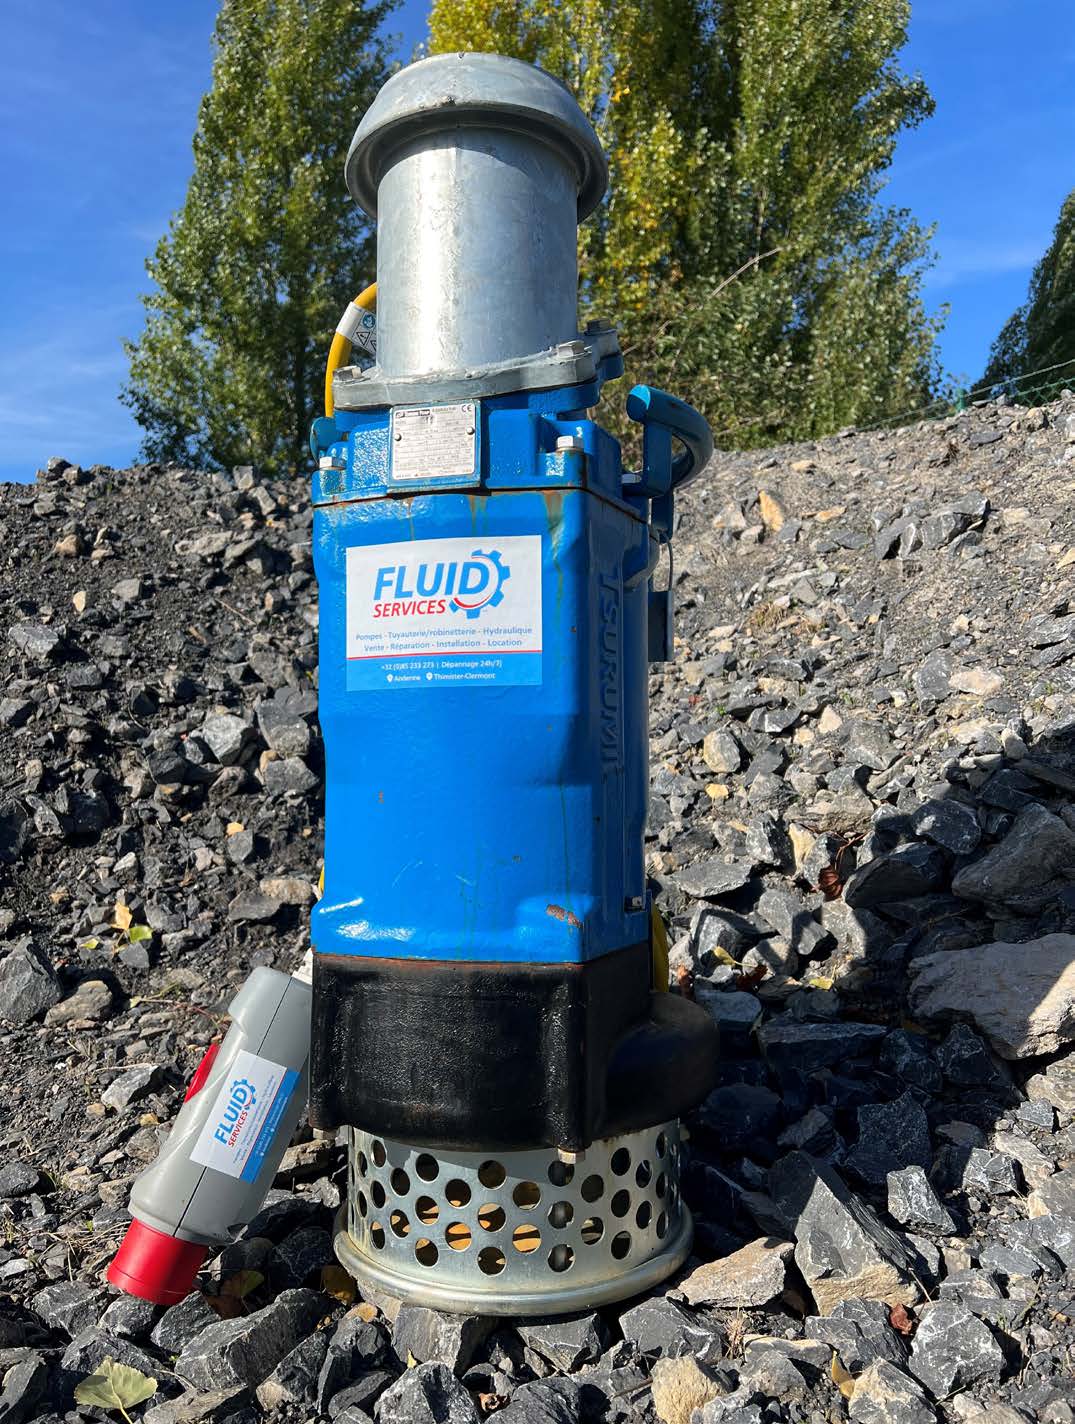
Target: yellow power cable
x: 340, y: 349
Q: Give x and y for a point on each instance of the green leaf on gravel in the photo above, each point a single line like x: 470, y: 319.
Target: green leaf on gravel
x: 137, y: 933
x: 115, y: 1386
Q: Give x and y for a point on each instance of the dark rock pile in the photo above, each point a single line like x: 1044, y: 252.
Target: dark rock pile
x: 863, y: 831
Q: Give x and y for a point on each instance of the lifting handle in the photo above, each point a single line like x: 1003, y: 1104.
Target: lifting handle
x: 664, y: 418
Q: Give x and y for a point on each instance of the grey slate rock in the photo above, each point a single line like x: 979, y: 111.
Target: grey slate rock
x: 908, y: 1057
x: 966, y: 1062
x: 949, y: 824
x: 660, y: 1327
x: 16, y: 1179
x: 885, y: 1394
x: 932, y: 681
x: 809, y: 1046
x: 23, y: 1385
x: 568, y: 1342
x: 902, y: 874
x: 28, y: 984
x: 435, y: 1335
x: 842, y: 1248
x: 859, y: 1332
x: 70, y: 1306
x: 288, y: 776
x: 36, y: 641
x: 712, y: 878
x: 992, y: 1173
x: 787, y: 914
x: 294, y: 1380
x: 92, y: 1345
x: 913, y: 1203
x: 1027, y: 867
x: 891, y: 1136
x: 743, y: 1116
x: 245, y: 1351
x: 735, y: 1012
x: 180, y: 1323
x: 218, y: 1406
x: 714, y: 928
x: 135, y: 1083
x: 300, y: 1254
x: 952, y: 1349
x: 426, y: 1394
x: 356, y: 1347
x: 226, y: 736
x: 129, y: 1315
x: 361, y: 1395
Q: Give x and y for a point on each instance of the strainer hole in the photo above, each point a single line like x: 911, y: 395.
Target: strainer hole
x: 427, y: 1210
x: 377, y: 1192
x: 425, y: 1252
x: 491, y: 1174
x: 399, y: 1223
x: 621, y: 1160
x: 401, y: 1183
x: 458, y: 1236
x: 561, y: 1258
x: 377, y: 1235
x: 660, y: 1188
x: 457, y: 1192
x: 526, y: 1238
x: 643, y: 1174
x: 363, y: 1204
x: 491, y: 1216
x: 426, y: 1167
x: 660, y: 1144
x: 363, y: 1165
x: 491, y: 1261
x: 621, y: 1244
x: 620, y: 1203
x: 592, y: 1229
x: 526, y: 1194
x: 560, y: 1173
x: 380, y: 1156
x: 560, y: 1214
x: 643, y: 1216
x: 592, y: 1189
x: 662, y: 1226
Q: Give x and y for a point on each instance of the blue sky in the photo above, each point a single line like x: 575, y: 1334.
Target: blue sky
x: 98, y: 103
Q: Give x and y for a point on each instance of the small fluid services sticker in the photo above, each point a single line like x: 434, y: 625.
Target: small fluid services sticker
x: 245, y: 1116
x: 444, y: 613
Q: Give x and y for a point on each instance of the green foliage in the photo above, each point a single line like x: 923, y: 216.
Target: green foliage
x: 259, y: 262
x: 743, y: 250
x: 1041, y: 333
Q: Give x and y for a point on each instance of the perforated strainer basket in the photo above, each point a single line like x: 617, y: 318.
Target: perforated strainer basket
x: 515, y: 1233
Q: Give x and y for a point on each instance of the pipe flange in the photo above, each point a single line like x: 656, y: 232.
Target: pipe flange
x: 451, y: 91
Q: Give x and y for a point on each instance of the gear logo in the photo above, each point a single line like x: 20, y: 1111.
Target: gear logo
x: 481, y: 584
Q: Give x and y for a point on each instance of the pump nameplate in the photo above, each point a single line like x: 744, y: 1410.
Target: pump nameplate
x: 430, y: 443
x: 444, y: 612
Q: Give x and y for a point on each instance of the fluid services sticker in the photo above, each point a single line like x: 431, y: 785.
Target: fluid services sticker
x: 245, y: 1116
x: 444, y: 613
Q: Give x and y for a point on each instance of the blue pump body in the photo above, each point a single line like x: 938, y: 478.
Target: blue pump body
x: 486, y: 802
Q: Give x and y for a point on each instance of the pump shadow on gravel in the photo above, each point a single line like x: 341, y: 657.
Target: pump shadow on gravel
x: 896, y: 1088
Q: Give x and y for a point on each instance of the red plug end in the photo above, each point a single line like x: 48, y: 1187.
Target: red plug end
x: 154, y: 1266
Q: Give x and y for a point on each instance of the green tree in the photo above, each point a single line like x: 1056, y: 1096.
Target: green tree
x: 267, y: 248
x: 744, y: 248
x: 1041, y: 333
